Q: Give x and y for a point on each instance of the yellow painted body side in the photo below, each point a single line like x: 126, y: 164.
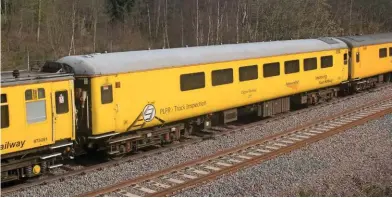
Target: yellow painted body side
x: 53, y: 128
x: 370, y: 63
x: 162, y: 89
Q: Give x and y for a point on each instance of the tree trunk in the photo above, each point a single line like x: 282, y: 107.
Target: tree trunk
x: 182, y: 28
x: 197, y: 22
x: 166, y: 34
x: 217, y: 23
x: 149, y: 25
x: 39, y: 20
x: 72, y: 45
x: 158, y: 16
x: 237, y: 22
x: 95, y: 27
x: 351, y: 9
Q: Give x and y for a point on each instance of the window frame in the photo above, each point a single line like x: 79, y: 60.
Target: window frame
x: 390, y: 52
x: 322, y: 60
x: 105, y: 100
x: 255, y: 67
x: 215, y: 75
x: 311, y: 68
x: 383, y: 52
x: 286, y: 64
x: 182, y: 79
x: 271, y: 64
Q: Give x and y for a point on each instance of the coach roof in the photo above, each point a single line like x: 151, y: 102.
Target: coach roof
x: 122, y: 62
x: 373, y: 39
x: 29, y: 77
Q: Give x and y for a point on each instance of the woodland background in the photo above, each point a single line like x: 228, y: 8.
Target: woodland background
x: 37, y: 30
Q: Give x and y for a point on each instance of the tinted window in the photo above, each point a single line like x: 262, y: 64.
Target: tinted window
x: 61, y: 102
x: 3, y: 98
x: 106, y: 94
x: 383, y: 52
x: 326, y: 61
x: 41, y: 93
x: 192, y: 81
x: 29, y: 94
x: 248, y: 73
x: 271, y: 69
x: 5, y: 120
x: 36, y: 111
x: 221, y: 77
x: 310, y: 64
x: 390, y: 51
x: 357, y: 57
x: 291, y: 66
x: 345, y: 58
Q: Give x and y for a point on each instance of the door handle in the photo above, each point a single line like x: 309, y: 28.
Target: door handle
x: 117, y: 108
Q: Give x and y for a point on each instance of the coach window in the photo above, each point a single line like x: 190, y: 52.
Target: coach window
x: 222, y: 77
x: 248, y: 73
x: 390, y: 51
x: 383, y: 53
x: 345, y: 58
x: 326, y: 61
x: 192, y: 81
x: 28, y: 94
x: 106, y: 94
x: 291, y: 66
x: 5, y: 118
x: 35, y: 105
x: 41, y: 93
x: 271, y: 69
x: 61, y: 102
x: 310, y: 64
x: 357, y: 57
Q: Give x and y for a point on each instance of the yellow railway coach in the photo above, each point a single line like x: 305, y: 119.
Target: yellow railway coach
x: 37, y: 113
x: 371, y: 59
x: 162, y: 94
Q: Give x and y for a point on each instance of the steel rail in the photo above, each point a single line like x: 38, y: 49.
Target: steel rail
x: 166, y: 181
x: 95, y: 167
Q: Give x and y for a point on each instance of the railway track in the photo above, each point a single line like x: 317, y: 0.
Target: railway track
x: 70, y: 171
x: 169, y: 181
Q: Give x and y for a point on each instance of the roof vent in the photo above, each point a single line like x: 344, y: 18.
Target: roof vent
x: 16, y: 73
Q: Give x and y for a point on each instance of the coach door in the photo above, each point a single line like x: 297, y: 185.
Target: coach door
x: 347, y: 65
x: 62, y: 113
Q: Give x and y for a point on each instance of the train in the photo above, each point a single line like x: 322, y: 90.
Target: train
x: 120, y: 102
